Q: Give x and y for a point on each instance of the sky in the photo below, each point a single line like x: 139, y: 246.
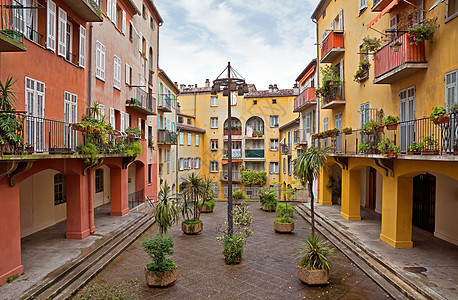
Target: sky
x: 266, y: 41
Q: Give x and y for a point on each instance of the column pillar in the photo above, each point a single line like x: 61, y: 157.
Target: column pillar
x: 397, y: 207
x: 10, y: 231
x: 77, y: 207
x: 351, y: 195
x: 324, y: 194
x: 119, y: 191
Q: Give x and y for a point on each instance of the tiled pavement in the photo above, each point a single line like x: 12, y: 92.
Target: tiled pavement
x: 267, y: 271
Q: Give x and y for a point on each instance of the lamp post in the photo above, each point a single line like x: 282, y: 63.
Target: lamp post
x: 233, y: 82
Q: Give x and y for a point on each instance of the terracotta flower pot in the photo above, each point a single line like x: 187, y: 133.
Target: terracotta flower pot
x: 430, y: 152
x: 283, y: 227
x: 192, y: 228
x: 391, y: 155
x: 391, y: 126
x: 442, y: 119
x: 312, y: 277
x: 162, y: 279
x: 379, y: 128
x: 348, y: 132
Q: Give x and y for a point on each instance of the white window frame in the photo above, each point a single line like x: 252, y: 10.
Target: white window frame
x: 274, y: 119
x: 128, y: 72
x: 114, y: 18
x: 214, y: 100
x: 214, y: 122
x: 274, y: 167
x: 100, y: 61
x: 213, y: 143
x: 362, y: 4
x: 233, y: 99
x: 189, y: 139
x: 181, y: 138
x: 124, y: 22
x: 51, y: 26
x: 180, y: 164
x: 82, y: 47
x: 274, y: 142
x: 62, y: 33
x: 214, y: 166
x: 197, y: 140
x: 117, y: 72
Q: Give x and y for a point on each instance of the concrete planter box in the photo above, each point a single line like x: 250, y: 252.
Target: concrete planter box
x: 312, y: 277
x: 163, y: 279
x: 192, y: 228
x: 283, y: 227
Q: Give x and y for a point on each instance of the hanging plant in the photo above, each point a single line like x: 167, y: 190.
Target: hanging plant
x: 422, y: 31
x: 370, y: 44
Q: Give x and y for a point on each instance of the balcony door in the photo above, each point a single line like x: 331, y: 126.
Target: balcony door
x: 407, y: 117
x: 339, y: 137
x: 70, y: 104
x: 35, y: 108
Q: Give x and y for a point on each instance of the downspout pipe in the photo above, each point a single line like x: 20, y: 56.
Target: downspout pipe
x: 90, y: 177
x: 90, y: 64
x: 317, y: 77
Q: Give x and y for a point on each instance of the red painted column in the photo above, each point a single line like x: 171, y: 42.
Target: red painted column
x: 90, y: 180
x: 10, y: 231
x: 77, y: 207
x: 119, y: 191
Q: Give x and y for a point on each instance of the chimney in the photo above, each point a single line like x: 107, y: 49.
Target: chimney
x: 275, y: 89
x: 182, y: 86
x: 271, y: 88
x: 176, y: 84
x: 296, y: 89
x: 195, y: 85
x: 190, y: 86
x: 207, y: 83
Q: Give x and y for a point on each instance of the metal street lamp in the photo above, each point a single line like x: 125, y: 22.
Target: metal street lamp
x: 231, y: 81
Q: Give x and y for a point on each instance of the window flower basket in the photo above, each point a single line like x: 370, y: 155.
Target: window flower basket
x: 391, y: 122
x: 439, y: 115
x: 422, y: 31
x: 395, y: 46
x: 347, y: 130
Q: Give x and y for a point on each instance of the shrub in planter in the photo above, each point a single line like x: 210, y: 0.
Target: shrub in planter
x: 238, y: 196
x: 284, y: 223
x: 347, y: 130
x: 207, y: 203
x: 134, y: 131
x: 363, y: 69
x: 391, y: 122
x: 165, y: 213
x: 315, y: 266
x: 439, y: 115
x: 134, y: 149
x: 207, y: 206
x: 370, y: 44
x: 161, y: 271
x: 268, y: 198
x: 415, y: 148
x: 395, y: 46
x: 431, y: 146
x: 422, y: 31
x: 190, y: 209
x: 387, y: 148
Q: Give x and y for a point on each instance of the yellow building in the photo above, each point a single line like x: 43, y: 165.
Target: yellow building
x: 257, y: 117
x: 404, y: 80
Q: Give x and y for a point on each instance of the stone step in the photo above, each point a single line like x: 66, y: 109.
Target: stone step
x: 54, y: 285
x: 386, y: 277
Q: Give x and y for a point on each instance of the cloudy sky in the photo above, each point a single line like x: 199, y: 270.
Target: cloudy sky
x: 266, y: 41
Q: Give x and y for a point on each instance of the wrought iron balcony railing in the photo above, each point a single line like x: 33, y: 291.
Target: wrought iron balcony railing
x: 168, y: 137
x: 12, y: 26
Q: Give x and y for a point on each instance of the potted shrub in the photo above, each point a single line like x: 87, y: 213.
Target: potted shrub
x: 364, y: 147
x: 234, y: 242
x: 431, y: 146
x: 439, y: 115
x: 391, y: 122
x: 395, y: 46
x: 208, y: 203
x: 422, y: 31
x: 284, y: 223
x: 334, y: 132
x: 362, y: 72
x: 190, y: 209
x: 238, y: 196
x: 161, y: 271
x: 416, y: 148
x: 370, y: 44
x: 268, y: 198
x: 388, y: 149
x: 315, y: 266
x: 347, y: 130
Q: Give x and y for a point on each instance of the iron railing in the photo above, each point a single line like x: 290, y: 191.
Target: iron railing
x: 335, y: 94
x: 12, y: 20
x: 34, y: 36
x: 165, y: 136
x: 165, y: 103
x: 286, y: 149
x: 437, y: 139
x: 70, y: 57
x: 142, y: 98
x: 136, y: 198
x: 236, y: 176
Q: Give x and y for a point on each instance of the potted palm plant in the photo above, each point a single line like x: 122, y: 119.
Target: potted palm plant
x: 315, y: 266
x: 268, y: 198
x: 284, y: 223
x: 11, y: 124
x: 190, y: 209
x: 207, y: 203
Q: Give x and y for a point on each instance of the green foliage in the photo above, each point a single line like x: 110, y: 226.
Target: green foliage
x: 134, y: 131
x: 370, y: 44
x: 253, y: 177
x: 315, y: 254
x: 209, y: 204
x: 335, y: 185
x: 12, y: 278
x: 165, y: 213
x: 431, y: 143
x: 126, y: 290
x: 233, y: 247
x: 309, y: 164
x: 89, y: 150
x: 151, y: 144
x: 422, y: 31
x: 391, y: 120
x: 387, y: 146
x: 134, y: 149
x: 238, y: 195
x: 196, y: 188
x: 7, y: 95
x: 284, y: 210
x: 191, y: 221
x: 437, y: 112
x: 416, y: 146
x: 371, y: 126
x: 364, y: 66
x: 268, y: 197
x: 365, y: 147
x: 284, y: 220
x: 453, y: 109
x: 347, y: 129
x: 10, y: 124
x: 157, y: 248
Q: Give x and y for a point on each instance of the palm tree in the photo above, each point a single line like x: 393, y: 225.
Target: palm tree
x: 165, y: 212
x: 207, y: 189
x: 193, y: 192
x: 308, y: 168
x: 7, y: 95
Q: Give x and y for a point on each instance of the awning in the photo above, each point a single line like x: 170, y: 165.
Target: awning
x: 307, y: 75
x: 435, y: 4
x: 233, y: 161
x: 386, y: 10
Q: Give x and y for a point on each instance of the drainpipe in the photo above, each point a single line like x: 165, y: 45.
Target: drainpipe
x: 90, y: 64
x: 317, y: 77
x: 90, y: 177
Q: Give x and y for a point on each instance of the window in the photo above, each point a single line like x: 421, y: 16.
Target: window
x: 451, y: 88
x: 452, y: 9
x: 274, y: 120
x: 151, y: 23
x: 180, y: 119
x: 255, y: 102
x: 308, y: 122
x: 274, y: 101
x: 214, y: 101
x: 51, y: 26
x: 213, y: 144
x: 62, y: 33
x: 150, y: 174
x: 113, y: 12
x: 274, y: 167
x: 197, y: 163
x: 215, y: 189
x: 284, y: 165
x: 100, y: 61
x: 173, y: 160
x: 144, y: 11
x: 180, y: 164
x: 325, y: 127
x: 70, y: 116
x: 128, y: 75
x: 273, y: 144
x: 168, y: 161
x: 131, y: 31
x: 59, y: 189
x: 197, y: 140
x: 124, y: 124
x: 289, y: 165
x: 123, y: 22
x: 117, y: 73
x: 82, y: 47
x: 362, y: 5
x: 214, y: 122
x: 188, y: 121
x: 99, y: 180
x: 181, y: 138
x: 233, y: 99
x: 213, y: 166
x: 189, y: 139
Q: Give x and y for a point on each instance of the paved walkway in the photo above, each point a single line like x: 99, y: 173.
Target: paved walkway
x: 48, y: 251
x: 268, y: 269
x: 432, y: 264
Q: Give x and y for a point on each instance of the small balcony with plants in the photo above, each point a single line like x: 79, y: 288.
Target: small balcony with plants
x: 165, y: 103
x: 254, y: 149
x: 254, y: 127
x: 166, y: 137
x: 405, y: 53
x: 305, y: 100
x: 236, y: 127
x: 330, y: 91
x: 332, y: 46
x: 236, y: 150
x: 11, y: 27
x: 236, y: 174
x: 141, y: 102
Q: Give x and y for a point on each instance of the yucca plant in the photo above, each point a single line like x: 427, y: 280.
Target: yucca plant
x: 166, y: 212
x: 315, y: 254
x: 192, y: 193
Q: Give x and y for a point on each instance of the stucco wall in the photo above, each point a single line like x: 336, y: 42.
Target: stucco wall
x: 446, y: 208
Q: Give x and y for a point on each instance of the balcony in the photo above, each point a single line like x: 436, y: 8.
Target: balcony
x: 11, y: 28
x: 236, y: 153
x: 332, y: 46
x: 380, y: 5
x: 165, y: 103
x: 166, y: 137
x: 254, y: 153
x: 89, y: 11
x: 305, y: 100
x: 236, y: 176
x: 286, y: 149
x: 333, y: 100
x: 141, y: 102
x: 390, y: 66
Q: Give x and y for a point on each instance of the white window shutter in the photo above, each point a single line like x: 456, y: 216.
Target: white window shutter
x: 127, y: 74
x: 124, y: 25
x: 114, y: 18
x: 51, y: 26
x: 102, y: 61
x: 62, y: 33
x: 112, y: 118
x: 146, y: 49
x: 127, y: 121
x: 342, y: 79
x: 109, y: 7
x: 340, y: 20
x: 82, y: 59
x: 140, y: 42
x: 332, y: 25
